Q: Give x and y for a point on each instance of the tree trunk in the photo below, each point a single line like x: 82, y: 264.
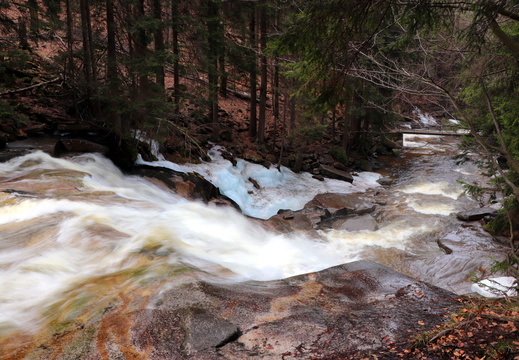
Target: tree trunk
x: 87, y: 59
x: 223, y: 74
x: 22, y: 33
x: 264, y: 77
x: 34, y: 24
x: 334, y: 118
x: 69, y: 65
x: 275, y: 85
x: 212, y: 71
x: 111, y: 70
x: 292, y: 125
x: 275, y: 99
x: 140, y: 53
x: 352, y: 126
x: 253, y: 125
x: 159, y: 46
x: 176, y: 55
x: 346, y: 126
x: 91, y: 52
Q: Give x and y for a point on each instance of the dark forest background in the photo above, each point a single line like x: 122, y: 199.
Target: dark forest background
x: 269, y: 78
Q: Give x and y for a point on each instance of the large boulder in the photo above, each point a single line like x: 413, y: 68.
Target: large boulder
x: 328, y: 211
x: 191, y: 186
x: 79, y: 146
x: 344, y: 204
x: 339, y: 312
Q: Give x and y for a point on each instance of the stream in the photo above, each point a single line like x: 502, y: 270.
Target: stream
x: 75, y: 229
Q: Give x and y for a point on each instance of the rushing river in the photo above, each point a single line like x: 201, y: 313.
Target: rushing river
x: 73, y: 229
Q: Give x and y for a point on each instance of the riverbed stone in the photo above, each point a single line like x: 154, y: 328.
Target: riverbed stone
x: 476, y: 214
x: 357, y: 223
x: 344, y: 204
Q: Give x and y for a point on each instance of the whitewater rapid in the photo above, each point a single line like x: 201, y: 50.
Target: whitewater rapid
x: 68, y: 225
x: 91, y: 220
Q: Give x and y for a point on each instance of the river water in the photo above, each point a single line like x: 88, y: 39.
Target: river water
x: 75, y: 229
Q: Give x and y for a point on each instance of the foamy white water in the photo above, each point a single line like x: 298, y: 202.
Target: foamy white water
x: 82, y: 219
x: 109, y: 219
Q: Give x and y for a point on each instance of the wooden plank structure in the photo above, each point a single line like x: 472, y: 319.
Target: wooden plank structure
x: 439, y: 132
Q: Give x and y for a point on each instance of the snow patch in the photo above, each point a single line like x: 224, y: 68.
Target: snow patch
x: 279, y: 189
x: 498, y: 287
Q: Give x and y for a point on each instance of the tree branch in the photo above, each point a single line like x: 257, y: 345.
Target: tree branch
x: 11, y: 92
x: 504, y: 37
x: 506, y: 153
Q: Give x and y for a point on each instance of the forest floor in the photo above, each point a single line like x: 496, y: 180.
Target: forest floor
x: 483, y: 329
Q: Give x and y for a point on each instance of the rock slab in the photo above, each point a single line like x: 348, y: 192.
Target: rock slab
x: 340, y: 312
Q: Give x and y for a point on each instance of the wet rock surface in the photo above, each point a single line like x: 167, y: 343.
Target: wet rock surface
x: 476, y: 214
x: 338, y: 211
x: 341, y: 310
x: 358, y: 223
x: 188, y: 185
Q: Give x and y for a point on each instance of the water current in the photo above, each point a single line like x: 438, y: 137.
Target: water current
x: 72, y: 228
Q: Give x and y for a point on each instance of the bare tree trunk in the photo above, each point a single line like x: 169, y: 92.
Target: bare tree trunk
x: 34, y: 24
x: 176, y: 53
x: 140, y: 50
x: 334, y: 119
x: 275, y: 99
x: 111, y: 69
x: 223, y: 74
x: 159, y: 46
x: 264, y: 74
x: 292, y: 124
x: 69, y: 65
x: 275, y: 85
x: 22, y: 33
x: 212, y: 39
x: 253, y: 126
x: 346, y: 127
x: 87, y: 59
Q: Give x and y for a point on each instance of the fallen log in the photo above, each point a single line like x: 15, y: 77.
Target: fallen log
x: 11, y: 92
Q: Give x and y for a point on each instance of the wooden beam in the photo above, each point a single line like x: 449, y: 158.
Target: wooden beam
x: 460, y: 132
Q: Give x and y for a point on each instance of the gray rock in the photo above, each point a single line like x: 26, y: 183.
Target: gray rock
x: 204, y: 330
x: 475, y: 214
x: 79, y: 145
x: 343, y: 204
x: 334, y: 173
x: 385, y: 181
x: 358, y: 223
